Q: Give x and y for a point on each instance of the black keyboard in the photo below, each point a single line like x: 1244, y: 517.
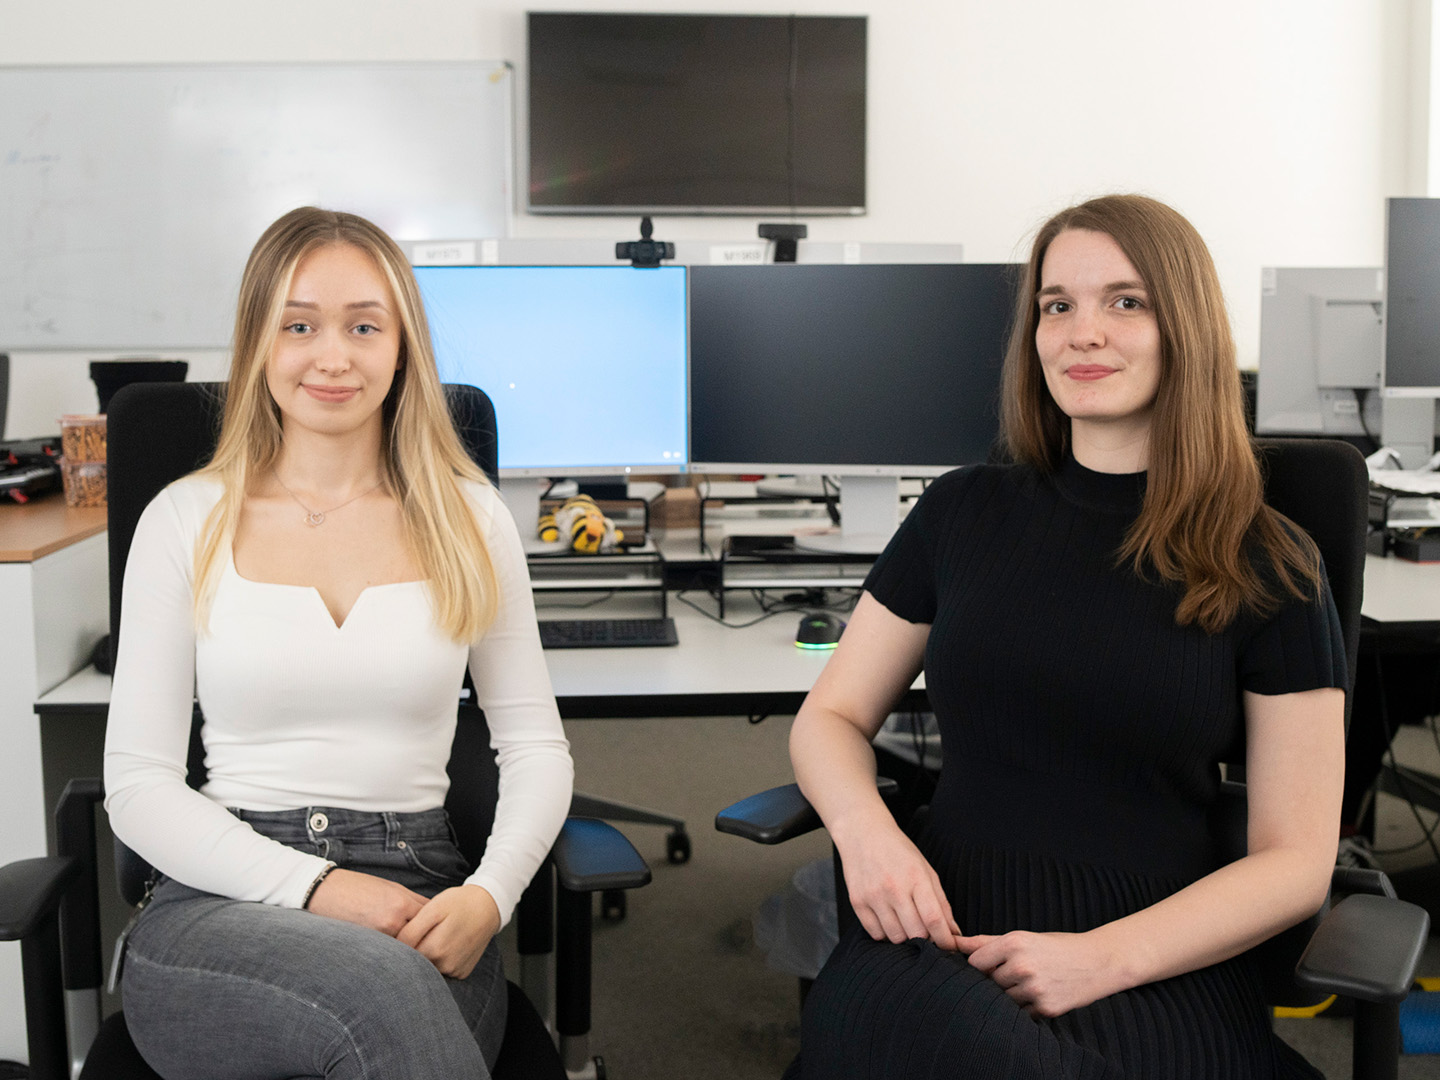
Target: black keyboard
x: 606, y: 633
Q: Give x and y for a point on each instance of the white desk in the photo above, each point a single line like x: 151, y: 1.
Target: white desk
x: 1401, y: 594
x: 714, y: 671
x: 55, y: 599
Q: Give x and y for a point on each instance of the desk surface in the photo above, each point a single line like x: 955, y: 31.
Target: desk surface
x: 714, y: 671
x: 718, y: 670
x: 1400, y: 593
x: 46, y: 525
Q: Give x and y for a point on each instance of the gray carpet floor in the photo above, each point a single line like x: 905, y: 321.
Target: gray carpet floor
x: 681, y: 988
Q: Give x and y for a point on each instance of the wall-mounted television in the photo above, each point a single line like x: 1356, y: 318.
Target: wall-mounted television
x: 723, y: 114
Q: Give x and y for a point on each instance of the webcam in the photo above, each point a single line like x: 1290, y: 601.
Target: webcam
x: 787, y: 239
x: 645, y: 253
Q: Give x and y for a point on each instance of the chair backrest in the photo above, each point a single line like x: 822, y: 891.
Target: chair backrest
x: 1322, y: 485
x: 157, y: 433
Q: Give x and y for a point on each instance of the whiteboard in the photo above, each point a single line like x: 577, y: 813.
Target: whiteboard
x: 130, y: 196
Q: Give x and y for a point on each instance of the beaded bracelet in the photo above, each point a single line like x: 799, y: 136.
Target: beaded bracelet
x: 310, y: 892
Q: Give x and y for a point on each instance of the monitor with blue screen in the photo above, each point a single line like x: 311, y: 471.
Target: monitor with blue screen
x: 586, y: 365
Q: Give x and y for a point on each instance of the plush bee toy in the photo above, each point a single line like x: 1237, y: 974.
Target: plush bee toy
x: 579, y: 519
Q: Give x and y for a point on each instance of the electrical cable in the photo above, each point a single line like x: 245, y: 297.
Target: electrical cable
x: 1360, y: 394
x: 832, y: 503
x: 769, y: 612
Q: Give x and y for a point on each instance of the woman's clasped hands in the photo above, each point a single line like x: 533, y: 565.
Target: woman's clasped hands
x: 1049, y: 974
x: 897, y: 897
x: 451, y: 930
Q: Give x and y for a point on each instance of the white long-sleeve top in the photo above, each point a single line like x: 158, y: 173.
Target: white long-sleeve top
x: 299, y: 712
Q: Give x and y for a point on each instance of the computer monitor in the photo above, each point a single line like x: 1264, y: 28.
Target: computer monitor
x: 1411, y: 365
x: 1320, y: 344
x: 868, y: 372
x: 586, y: 365
x: 678, y: 113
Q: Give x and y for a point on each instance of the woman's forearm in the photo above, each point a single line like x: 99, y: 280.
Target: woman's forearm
x: 835, y: 768
x: 1219, y: 916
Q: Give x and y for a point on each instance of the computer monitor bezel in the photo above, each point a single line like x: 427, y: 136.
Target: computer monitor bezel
x: 579, y: 471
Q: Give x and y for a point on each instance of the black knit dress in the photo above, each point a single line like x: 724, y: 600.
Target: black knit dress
x: 1082, y: 732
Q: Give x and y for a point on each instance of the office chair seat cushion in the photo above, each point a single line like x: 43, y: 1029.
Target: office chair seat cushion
x: 113, y: 1055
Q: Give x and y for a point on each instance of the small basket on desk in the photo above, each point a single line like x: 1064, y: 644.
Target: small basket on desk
x: 82, y: 466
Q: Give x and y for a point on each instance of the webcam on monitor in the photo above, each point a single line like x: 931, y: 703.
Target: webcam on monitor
x: 645, y: 253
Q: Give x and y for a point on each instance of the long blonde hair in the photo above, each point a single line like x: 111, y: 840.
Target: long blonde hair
x: 1204, y: 517
x: 423, y: 460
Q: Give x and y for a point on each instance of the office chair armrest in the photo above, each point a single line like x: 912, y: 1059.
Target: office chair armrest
x: 780, y: 814
x: 591, y: 856
x: 30, y: 890
x: 1368, y: 947
x: 1359, y: 879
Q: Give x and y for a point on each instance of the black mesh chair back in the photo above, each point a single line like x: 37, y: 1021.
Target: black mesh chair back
x: 1322, y: 485
x: 159, y: 432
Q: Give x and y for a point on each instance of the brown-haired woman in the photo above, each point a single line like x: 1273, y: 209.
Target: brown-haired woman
x: 1096, y: 623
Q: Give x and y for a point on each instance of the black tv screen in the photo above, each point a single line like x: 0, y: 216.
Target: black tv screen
x: 699, y: 113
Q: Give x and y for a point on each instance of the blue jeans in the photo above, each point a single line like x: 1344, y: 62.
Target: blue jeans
x: 221, y: 989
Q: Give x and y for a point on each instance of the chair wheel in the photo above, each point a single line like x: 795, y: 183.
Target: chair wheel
x: 599, y: 1067
x: 612, y: 905
x: 677, y: 846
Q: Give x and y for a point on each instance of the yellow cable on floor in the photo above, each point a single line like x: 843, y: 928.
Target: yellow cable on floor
x: 1308, y: 1012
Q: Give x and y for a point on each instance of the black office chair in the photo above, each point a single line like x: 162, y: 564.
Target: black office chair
x: 1368, y: 944
x: 158, y: 433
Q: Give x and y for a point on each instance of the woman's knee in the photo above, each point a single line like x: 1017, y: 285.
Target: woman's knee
x: 334, y: 1000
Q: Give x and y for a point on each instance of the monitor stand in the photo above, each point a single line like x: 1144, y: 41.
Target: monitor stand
x: 869, y: 512
x: 1407, y: 426
x: 521, y: 495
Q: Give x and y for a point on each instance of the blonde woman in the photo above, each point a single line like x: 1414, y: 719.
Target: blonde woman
x: 321, y: 587
x: 1098, y: 624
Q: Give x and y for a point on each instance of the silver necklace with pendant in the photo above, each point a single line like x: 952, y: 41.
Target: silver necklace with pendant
x: 316, y: 518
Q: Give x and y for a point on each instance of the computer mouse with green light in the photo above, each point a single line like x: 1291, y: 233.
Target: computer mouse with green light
x: 819, y: 630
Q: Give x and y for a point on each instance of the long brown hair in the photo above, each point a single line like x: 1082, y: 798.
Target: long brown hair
x: 423, y: 460
x: 1204, y: 523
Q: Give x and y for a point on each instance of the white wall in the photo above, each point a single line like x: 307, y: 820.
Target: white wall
x: 1279, y: 128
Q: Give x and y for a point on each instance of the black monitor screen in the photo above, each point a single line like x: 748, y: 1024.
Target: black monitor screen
x: 1412, y: 295
x: 735, y: 113
x: 801, y: 368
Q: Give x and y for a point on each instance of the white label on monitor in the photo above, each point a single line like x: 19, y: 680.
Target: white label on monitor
x: 1269, y: 286
x: 737, y: 254
x: 850, y: 253
x: 453, y: 253
x: 490, y: 252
